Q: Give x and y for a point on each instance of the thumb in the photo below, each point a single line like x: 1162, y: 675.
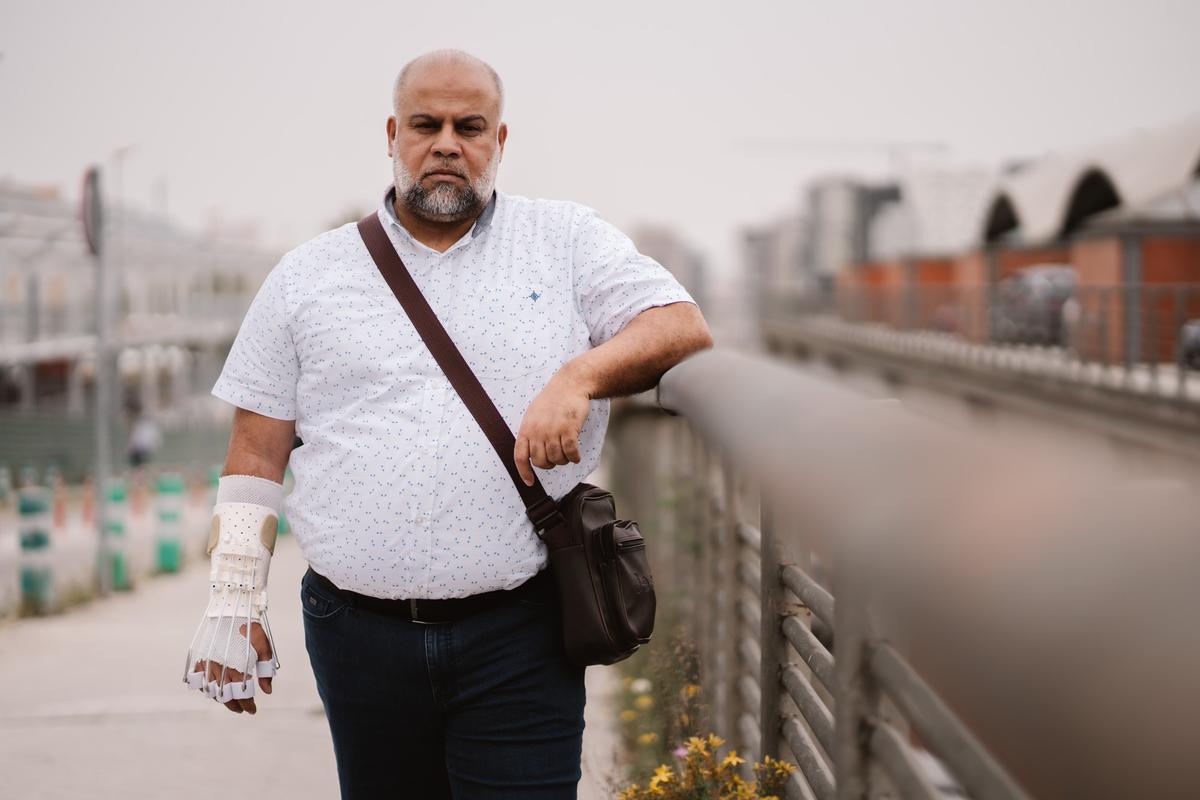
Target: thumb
x: 262, y: 649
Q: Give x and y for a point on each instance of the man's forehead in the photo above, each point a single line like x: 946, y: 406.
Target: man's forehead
x: 448, y: 87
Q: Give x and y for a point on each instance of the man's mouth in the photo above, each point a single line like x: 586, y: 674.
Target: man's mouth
x: 445, y: 174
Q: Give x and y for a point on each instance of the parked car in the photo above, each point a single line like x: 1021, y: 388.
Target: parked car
x: 1029, y: 305
x: 1189, y: 341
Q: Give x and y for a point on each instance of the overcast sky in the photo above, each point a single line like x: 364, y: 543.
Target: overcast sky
x: 666, y: 112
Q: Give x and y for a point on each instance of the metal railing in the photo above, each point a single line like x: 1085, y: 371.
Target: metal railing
x: 1150, y: 333
x: 792, y: 492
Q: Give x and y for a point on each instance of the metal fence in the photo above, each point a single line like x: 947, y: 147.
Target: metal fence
x: 1151, y: 330
x: 781, y: 477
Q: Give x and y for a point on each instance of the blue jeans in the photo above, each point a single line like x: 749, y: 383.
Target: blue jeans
x: 486, y: 707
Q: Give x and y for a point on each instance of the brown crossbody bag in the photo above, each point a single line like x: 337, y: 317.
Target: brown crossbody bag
x: 598, y: 562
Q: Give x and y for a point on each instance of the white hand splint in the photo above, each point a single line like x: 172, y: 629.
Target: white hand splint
x: 241, y: 540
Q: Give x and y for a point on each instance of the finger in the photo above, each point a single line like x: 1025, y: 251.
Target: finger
x: 262, y: 647
x: 537, y: 454
x: 233, y: 705
x: 248, y: 705
x: 570, y: 447
x: 259, y: 641
x: 215, y: 669
x: 521, y: 457
x: 554, y: 452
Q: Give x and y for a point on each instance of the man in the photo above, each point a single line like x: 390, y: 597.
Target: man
x: 433, y: 633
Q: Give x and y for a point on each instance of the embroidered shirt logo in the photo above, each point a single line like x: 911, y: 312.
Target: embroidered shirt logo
x: 534, y: 296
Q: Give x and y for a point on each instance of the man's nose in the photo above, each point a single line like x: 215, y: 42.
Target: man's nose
x: 447, y: 145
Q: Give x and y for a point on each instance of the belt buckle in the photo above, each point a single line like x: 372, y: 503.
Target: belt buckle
x: 412, y: 608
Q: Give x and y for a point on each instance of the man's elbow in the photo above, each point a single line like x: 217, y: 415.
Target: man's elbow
x: 701, y: 337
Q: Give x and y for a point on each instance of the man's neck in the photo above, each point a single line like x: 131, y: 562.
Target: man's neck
x: 439, y: 236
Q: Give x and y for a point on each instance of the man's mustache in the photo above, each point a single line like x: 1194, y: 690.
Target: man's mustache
x: 443, y: 171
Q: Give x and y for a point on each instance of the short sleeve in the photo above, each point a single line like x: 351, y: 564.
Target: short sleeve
x: 262, y: 370
x: 613, y: 282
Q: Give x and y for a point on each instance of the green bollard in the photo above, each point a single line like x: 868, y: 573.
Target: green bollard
x: 288, y: 483
x: 169, y: 501
x: 115, y: 529
x: 37, y: 566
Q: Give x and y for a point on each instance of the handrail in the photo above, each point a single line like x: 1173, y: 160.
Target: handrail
x: 995, y: 600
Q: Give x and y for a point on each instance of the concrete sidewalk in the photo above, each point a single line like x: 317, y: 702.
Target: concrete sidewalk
x: 92, y: 705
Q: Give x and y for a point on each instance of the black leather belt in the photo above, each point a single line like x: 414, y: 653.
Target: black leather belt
x: 440, y: 611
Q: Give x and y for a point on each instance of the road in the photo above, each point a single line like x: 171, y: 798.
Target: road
x: 92, y: 705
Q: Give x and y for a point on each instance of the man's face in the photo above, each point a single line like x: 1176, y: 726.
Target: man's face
x: 446, y: 141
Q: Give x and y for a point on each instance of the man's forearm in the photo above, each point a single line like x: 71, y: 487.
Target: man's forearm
x: 634, y: 360
x: 259, y: 446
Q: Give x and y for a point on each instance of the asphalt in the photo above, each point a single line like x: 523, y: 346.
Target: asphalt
x: 92, y: 705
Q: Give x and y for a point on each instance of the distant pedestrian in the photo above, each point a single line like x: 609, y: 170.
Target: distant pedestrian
x: 144, y: 440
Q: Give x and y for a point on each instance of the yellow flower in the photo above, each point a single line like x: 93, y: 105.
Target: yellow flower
x: 628, y: 715
x: 684, y: 719
x: 647, y: 738
x: 662, y: 775
x: 643, y: 702
x: 691, y: 690
x: 732, y: 760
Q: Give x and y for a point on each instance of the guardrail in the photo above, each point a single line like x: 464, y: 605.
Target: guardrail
x: 1148, y: 332
x: 901, y: 610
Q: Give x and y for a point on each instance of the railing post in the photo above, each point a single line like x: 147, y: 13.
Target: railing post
x: 857, y: 697
x: 1150, y: 351
x: 703, y: 536
x: 1180, y: 356
x: 771, y: 638
x: 728, y: 706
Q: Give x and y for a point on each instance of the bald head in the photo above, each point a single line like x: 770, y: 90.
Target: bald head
x: 446, y: 58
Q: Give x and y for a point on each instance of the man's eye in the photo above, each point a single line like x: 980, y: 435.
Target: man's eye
x: 471, y: 129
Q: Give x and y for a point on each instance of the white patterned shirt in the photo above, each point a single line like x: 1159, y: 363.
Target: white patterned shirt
x: 398, y: 493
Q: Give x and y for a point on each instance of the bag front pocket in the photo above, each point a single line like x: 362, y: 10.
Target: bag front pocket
x: 629, y: 586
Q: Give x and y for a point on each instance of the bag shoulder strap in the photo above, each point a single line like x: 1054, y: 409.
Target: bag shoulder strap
x: 539, y: 507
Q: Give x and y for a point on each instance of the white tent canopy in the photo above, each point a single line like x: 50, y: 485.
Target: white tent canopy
x: 1051, y: 197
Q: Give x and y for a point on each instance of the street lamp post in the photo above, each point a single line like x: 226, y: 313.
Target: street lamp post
x: 94, y: 232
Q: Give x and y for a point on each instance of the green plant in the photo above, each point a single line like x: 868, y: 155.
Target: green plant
x: 661, y: 701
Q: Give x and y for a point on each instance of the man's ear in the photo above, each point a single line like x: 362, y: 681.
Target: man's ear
x: 502, y: 136
x: 391, y: 136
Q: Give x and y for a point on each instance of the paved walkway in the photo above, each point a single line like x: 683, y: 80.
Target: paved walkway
x: 92, y: 706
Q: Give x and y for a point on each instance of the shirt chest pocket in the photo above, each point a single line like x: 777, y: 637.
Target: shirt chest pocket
x: 511, y: 331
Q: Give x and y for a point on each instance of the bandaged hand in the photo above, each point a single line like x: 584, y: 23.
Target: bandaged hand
x: 233, y: 645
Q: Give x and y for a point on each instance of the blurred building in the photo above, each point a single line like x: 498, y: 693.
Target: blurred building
x: 933, y: 249
x: 666, y: 247
x: 777, y: 256
x: 841, y: 212
x: 178, y: 298
x: 801, y: 254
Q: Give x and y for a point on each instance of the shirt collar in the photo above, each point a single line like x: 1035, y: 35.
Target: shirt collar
x: 482, y: 222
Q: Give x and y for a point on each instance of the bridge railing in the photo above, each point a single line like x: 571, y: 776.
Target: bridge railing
x: 1147, y: 331
x: 901, y: 610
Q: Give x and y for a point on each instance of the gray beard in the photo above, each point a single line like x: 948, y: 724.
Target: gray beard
x: 446, y: 201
